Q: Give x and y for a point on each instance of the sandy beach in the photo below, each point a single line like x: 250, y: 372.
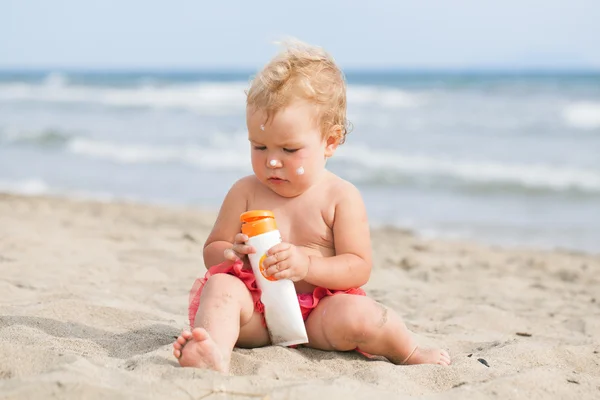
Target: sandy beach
x: 93, y: 294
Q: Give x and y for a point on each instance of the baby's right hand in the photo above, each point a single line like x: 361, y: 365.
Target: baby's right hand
x: 240, y: 249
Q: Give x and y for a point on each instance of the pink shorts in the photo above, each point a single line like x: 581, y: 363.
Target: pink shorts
x: 308, y: 301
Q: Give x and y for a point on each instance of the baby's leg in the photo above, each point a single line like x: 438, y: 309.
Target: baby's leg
x: 225, y: 317
x: 344, y: 322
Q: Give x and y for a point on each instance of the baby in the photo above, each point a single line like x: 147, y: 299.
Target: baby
x: 296, y: 119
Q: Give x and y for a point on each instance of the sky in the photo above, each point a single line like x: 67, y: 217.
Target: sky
x: 386, y: 34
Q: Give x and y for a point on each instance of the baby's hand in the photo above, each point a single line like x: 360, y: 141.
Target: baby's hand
x: 240, y: 249
x: 286, y: 261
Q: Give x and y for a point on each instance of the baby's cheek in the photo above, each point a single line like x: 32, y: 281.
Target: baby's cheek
x: 257, y: 163
x: 302, y: 162
x: 255, y: 158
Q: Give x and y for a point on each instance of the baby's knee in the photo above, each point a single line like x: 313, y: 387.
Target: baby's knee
x: 365, y: 321
x: 224, y: 291
x: 225, y: 285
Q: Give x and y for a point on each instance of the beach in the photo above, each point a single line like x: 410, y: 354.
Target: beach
x: 93, y: 293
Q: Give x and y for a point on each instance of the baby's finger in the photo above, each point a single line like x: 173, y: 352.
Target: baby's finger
x: 240, y: 238
x: 243, y: 249
x: 230, y: 255
x: 272, y: 260
x: 279, y: 248
x: 285, y: 274
x: 277, y: 268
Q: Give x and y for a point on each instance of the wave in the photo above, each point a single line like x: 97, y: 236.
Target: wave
x: 27, y: 187
x: 200, y: 97
x: 394, y: 168
x: 378, y: 165
x: 55, y: 79
x: 361, y: 163
x: 38, y: 187
x: 43, y: 138
x: 583, y: 115
x: 194, y: 155
x: 204, y: 97
x: 383, y: 97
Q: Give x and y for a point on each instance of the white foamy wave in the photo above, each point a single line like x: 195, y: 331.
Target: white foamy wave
x: 38, y: 187
x: 206, y: 157
x: 198, y: 97
x: 534, y: 176
x: 55, y: 79
x: 423, y: 168
x: 383, y: 97
x: 26, y: 187
x: 583, y: 115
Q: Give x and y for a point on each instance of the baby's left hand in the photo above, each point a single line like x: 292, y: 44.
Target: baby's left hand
x: 286, y: 261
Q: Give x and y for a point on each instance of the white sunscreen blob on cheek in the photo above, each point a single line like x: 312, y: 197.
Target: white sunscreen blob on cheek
x: 300, y: 171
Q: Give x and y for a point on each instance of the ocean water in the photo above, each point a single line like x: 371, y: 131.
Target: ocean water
x: 503, y: 158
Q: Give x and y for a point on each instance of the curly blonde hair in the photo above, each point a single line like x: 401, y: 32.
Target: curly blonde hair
x: 307, y: 72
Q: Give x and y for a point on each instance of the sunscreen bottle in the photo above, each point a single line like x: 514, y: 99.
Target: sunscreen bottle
x: 282, y: 310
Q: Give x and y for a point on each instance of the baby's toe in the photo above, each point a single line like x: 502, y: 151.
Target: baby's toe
x: 187, y: 335
x: 445, y: 358
x: 181, y: 340
x: 177, y: 349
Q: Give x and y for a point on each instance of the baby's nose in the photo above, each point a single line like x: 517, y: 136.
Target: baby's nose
x: 274, y: 163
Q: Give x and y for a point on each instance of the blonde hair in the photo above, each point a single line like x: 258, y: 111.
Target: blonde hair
x: 302, y: 71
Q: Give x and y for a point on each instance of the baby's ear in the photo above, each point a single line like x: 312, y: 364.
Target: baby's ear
x: 332, y: 141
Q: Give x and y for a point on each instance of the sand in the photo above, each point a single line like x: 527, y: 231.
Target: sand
x: 93, y: 294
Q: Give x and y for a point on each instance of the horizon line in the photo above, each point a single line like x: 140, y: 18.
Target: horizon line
x: 250, y: 70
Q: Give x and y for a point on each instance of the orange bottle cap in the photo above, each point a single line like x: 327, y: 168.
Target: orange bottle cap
x: 257, y: 222
x: 255, y: 215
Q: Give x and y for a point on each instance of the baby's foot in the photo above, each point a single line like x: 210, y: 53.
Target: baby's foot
x: 198, y: 349
x: 428, y: 356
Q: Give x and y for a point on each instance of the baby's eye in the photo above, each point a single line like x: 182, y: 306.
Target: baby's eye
x: 260, y: 147
x: 290, y: 150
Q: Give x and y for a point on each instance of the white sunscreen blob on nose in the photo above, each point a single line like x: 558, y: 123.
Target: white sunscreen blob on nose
x: 300, y: 171
x: 273, y: 163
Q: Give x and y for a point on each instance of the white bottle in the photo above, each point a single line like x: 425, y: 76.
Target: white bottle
x: 282, y: 310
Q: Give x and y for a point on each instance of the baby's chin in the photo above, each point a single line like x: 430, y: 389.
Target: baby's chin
x: 284, y: 188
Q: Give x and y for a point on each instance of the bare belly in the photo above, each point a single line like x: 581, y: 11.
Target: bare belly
x: 304, y: 287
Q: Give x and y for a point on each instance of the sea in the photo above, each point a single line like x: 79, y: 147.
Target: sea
x: 505, y: 158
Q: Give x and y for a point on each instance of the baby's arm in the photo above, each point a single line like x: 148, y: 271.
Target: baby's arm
x: 227, y: 224
x: 351, y: 266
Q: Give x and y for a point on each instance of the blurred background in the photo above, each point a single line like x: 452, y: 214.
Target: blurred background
x: 472, y: 119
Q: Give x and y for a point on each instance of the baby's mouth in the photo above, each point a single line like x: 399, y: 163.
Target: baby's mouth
x: 276, y: 179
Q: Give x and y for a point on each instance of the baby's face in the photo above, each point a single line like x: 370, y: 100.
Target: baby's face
x: 288, y: 152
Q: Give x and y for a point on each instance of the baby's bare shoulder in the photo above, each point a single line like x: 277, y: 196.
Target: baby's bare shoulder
x: 337, y: 194
x: 244, y: 184
x: 340, y: 189
x: 241, y: 192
